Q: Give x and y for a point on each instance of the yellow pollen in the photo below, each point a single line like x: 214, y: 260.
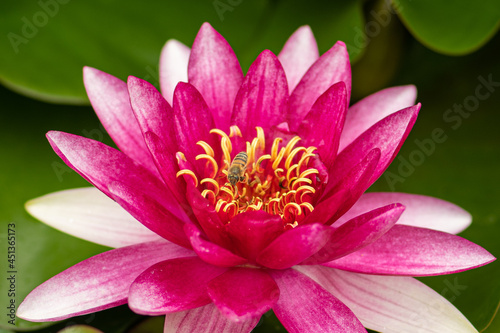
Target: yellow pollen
x: 280, y: 182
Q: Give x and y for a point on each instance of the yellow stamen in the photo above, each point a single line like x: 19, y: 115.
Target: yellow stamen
x: 208, y: 150
x: 210, y: 160
x: 189, y: 173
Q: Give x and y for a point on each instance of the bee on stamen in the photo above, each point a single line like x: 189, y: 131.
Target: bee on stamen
x: 236, y: 172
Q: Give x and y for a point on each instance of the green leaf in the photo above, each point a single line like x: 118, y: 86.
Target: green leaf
x: 453, y: 28
x: 46, y: 46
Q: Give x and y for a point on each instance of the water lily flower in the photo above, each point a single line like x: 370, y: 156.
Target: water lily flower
x: 213, y: 241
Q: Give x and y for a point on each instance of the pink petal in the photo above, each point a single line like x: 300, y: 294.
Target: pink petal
x: 370, y: 110
x: 172, y: 285
x: 391, y: 304
x: 294, y: 246
x: 340, y: 197
x: 208, y: 218
x: 330, y: 68
x: 88, y: 214
x: 263, y: 96
x: 412, y: 251
x: 304, y: 306
x: 205, y: 319
x: 98, y: 283
x: 151, y: 214
x: 209, y: 252
x: 358, y: 233
x: 388, y: 135
x: 156, y: 117
x: 110, y: 100
x: 298, y: 54
x: 173, y: 67
x: 193, y: 121
x: 252, y: 231
x: 243, y: 293
x: 322, y: 126
x: 215, y: 71
x: 421, y: 211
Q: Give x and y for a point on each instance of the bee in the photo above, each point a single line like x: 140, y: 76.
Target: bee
x: 236, y: 172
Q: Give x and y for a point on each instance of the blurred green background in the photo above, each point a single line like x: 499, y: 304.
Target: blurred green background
x: 443, y: 48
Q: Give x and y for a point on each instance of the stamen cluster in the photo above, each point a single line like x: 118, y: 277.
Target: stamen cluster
x: 280, y: 183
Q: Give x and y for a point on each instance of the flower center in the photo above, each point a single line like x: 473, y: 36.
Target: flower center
x: 281, y: 182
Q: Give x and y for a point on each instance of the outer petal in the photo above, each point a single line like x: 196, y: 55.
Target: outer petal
x: 172, y: 285
x: 215, y: 71
x: 150, y: 213
x: 304, y: 306
x: 98, y: 283
x: 298, y: 54
x: 101, y: 165
x: 263, y: 96
x: 370, y: 110
x: 251, y: 232
x: 421, y: 211
x: 210, y: 252
x: 294, y: 246
x: 391, y: 304
x: 413, y: 251
x: 205, y: 319
x: 243, y: 293
x: 330, y: 68
x: 388, y: 135
x: 322, y: 126
x: 88, y: 214
x: 358, y: 233
x: 109, y: 98
x: 173, y: 67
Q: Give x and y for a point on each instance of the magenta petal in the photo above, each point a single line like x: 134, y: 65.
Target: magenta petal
x: 209, y: 252
x: 358, y: 233
x: 150, y: 213
x: 294, y: 246
x: 322, y: 126
x: 388, y: 135
x: 370, y: 110
x: 98, y: 283
x: 346, y: 191
x: 156, y: 119
x: 193, y: 121
x: 100, y: 164
x: 215, y: 71
x: 263, y: 96
x: 298, y: 54
x: 243, y: 293
x: 172, y: 285
x: 110, y: 100
x: 252, y: 231
x: 304, y: 306
x: 330, y: 68
x: 421, y: 211
x: 205, y: 319
x: 173, y: 67
x: 412, y: 251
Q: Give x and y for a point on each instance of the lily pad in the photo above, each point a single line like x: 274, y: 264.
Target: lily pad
x: 453, y: 28
x: 49, y: 41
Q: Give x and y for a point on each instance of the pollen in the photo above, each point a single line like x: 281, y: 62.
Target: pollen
x: 280, y: 181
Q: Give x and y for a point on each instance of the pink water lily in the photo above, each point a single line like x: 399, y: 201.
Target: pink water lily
x: 295, y: 233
